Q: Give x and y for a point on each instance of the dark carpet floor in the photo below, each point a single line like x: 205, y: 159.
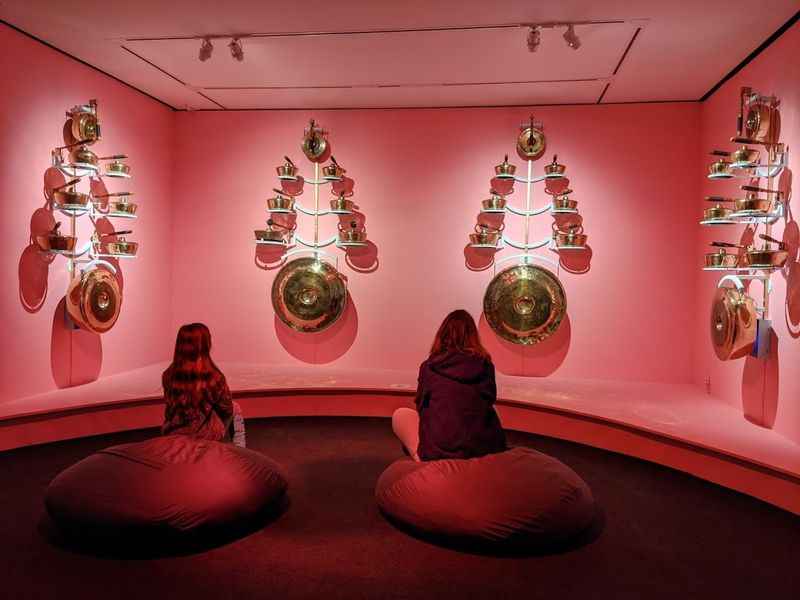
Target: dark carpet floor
x: 665, y: 534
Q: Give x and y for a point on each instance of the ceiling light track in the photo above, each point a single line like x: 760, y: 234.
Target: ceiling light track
x: 399, y: 85
x: 241, y: 36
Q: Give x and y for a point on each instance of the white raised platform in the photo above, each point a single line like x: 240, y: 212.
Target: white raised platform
x: 675, y: 425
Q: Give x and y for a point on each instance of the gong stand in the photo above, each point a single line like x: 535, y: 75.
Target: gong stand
x: 81, y: 131
x: 525, y: 304
x: 756, y: 131
x: 317, y: 149
x: 531, y: 144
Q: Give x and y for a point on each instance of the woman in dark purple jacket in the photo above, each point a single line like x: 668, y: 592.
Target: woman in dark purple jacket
x: 456, y: 391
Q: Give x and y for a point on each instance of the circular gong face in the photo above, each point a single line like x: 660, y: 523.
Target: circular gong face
x: 95, y: 301
x: 316, y: 148
x: 723, y: 323
x: 733, y: 323
x: 308, y: 295
x: 757, y: 122
x: 524, y: 304
x: 84, y: 127
x: 531, y: 143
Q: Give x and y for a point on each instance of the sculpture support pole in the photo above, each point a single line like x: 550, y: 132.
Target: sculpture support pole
x: 70, y: 261
x: 528, y: 204
x: 316, y: 207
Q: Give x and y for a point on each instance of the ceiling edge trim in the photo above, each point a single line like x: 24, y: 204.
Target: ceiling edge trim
x: 86, y: 64
x: 449, y: 107
x: 750, y: 57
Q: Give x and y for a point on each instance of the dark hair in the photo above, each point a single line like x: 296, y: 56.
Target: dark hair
x: 458, y: 333
x: 192, y: 377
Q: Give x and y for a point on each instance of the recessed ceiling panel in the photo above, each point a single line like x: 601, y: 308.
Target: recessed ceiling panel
x: 682, y: 50
x: 426, y: 96
x: 491, y: 55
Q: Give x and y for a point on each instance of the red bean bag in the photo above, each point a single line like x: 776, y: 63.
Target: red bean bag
x: 517, y: 496
x: 173, y: 484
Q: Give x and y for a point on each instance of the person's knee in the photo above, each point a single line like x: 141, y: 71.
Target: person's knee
x: 402, y: 417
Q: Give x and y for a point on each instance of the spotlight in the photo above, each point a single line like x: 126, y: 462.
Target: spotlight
x: 236, y: 49
x: 571, y: 38
x: 206, y: 48
x: 534, y: 38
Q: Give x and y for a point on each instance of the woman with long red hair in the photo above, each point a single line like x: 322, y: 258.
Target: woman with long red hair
x: 456, y: 392
x: 198, y: 401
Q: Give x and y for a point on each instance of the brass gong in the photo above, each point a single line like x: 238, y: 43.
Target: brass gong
x: 315, y: 145
x: 94, y: 300
x: 758, y: 122
x: 531, y: 142
x: 524, y: 304
x: 733, y: 323
x: 308, y: 294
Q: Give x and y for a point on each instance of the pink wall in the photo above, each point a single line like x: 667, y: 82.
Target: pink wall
x: 202, y: 180
x: 768, y: 391
x: 41, y: 85
x: 420, y: 177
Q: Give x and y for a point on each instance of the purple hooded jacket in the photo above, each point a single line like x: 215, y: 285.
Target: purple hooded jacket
x: 455, y: 400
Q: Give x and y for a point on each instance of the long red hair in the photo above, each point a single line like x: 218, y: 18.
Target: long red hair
x: 458, y: 333
x: 193, y: 376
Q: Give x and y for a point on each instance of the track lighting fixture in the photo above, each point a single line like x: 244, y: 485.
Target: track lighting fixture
x: 534, y: 38
x: 206, y: 48
x: 571, y: 38
x: 236, y: 49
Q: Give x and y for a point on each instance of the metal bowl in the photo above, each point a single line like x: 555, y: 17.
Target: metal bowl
x: 353, y: 235
x: 332, y: 171
x: 119, y: 247
x: 496, y: 202
x: 485, y: 238
x: 722, y: 259
x: 765, y: 258
x: 117, y: 168
x: 68, y: 198
x: 82, y: 156
x: 564, y: 203
x: 505, y: 168
x: 287, y: 169
x: 280, y: 203
x: 554, y: 168
x: 717, y: 212
x: 342, y: 205
x: 744, y: 157
x: 570, y: 238
x: 272, y: 235
x: 123, y: 207
x: 720, y: 169
x: 752, y: 203
x: 54, y: 241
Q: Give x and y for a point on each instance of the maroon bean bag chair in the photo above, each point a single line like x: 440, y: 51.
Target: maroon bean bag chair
x: 174, y: 485
x: 519, y: 496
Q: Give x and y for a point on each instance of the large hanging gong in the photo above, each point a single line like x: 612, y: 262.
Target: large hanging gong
x: 524, y: 304
x: 94, y: 300
x: 733, y: 323
x: 308, y: 294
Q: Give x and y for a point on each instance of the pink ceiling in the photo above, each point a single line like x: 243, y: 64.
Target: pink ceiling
x: 682, y: 49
